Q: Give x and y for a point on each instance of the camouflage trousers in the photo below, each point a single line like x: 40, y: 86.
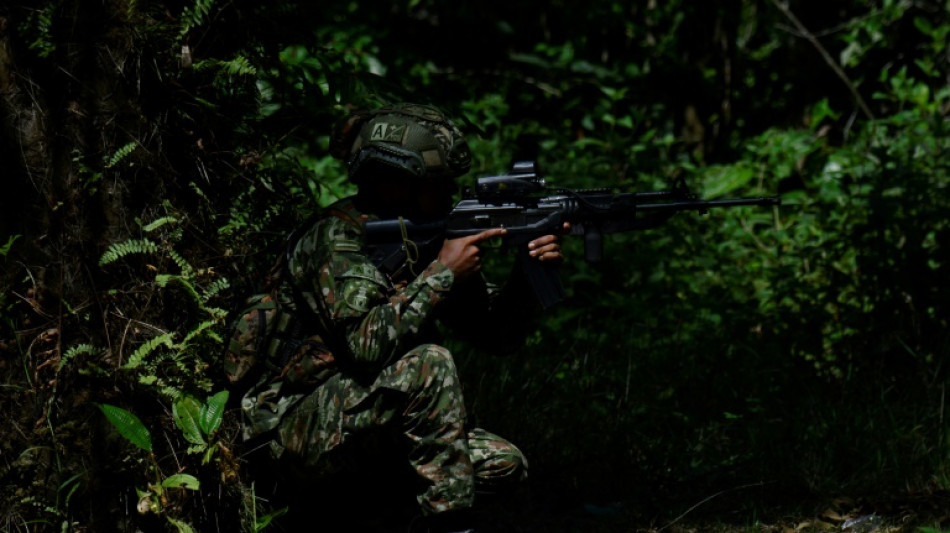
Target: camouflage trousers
x: 417, y: 399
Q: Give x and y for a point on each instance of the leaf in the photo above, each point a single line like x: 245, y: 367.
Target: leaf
x: 155, y: 224
x: 833, y: 515
x: 181, y: 481
x: 727, y: 179
x: 74, y: 351
x: 183, y: 527
x: 147, y: 347
x: 820, y: 111
x: 198, y: 330
x: 187, y: 414
x: 128, y: 425
x: 119, y: 250
x: 209, y: 453
x: 121, y: 153
x: 212, y: 412
x: 5, y: 249
x: 264, y: 521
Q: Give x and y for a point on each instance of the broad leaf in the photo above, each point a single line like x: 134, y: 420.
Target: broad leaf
x: 187, y: 414
x: 183, y: 527
x: 212, y: 412
x: 128, y: 425
x: 181, y: 481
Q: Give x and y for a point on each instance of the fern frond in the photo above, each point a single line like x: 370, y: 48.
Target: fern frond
x: 121, y: 154
x: 186, y: 269
x: 149, y: 346
x: 39, y: 24
x: 155, y: 224
x: 170, y: 391
x: 216, y: 287
x: 74, y: 351
x: 163, y: 279
x: 195, y: 16
x: 118, y: 250
x: 199, y: 329
x: 239, y: 66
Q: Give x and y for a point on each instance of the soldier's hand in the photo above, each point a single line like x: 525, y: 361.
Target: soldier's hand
x: 463, y: 256
x: 548, y: 247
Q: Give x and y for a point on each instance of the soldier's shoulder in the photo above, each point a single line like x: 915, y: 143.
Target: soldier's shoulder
x: 337, y: 228
x: 345, y: 210
x: 341, y: 220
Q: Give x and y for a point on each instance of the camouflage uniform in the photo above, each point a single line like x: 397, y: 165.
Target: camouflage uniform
x: 374, y: 366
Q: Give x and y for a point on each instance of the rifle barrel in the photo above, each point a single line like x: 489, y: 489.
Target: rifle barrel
x: 701, y: 205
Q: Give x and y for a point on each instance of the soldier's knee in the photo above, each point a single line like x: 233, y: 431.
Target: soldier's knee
x: 498, y: 463
x: 516, y: 469
x: 431, y: 361
x: 426, y: 368
x: 437, y: 357
x: 505, y: 466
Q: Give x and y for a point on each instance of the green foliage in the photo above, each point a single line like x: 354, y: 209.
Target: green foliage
x: 181, y: 481
x: 159, y: 222
x: 259, y: 522
x: 198, y: 421
x: 780, y: 343
x: 146, y: 348
x: 75, y: 351
x: 121, y: 154
x: 5, y: 249
x: 239, y: 66
x: 194, y: 16
x: 37, y: 29
x: 128, y: 425
x: 119, y: 250
x: 155, y: 353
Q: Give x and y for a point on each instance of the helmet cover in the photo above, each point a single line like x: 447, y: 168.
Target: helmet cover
x: 412, y: 138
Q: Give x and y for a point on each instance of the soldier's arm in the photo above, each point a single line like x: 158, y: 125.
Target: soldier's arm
x: 497, y: 318
x: 380, y: 328
x: 367, y: 321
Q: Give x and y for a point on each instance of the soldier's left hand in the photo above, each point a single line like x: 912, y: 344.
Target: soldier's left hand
x: 548, y: 247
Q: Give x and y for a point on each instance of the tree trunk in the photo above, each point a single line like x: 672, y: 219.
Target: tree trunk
x: 82, y: 143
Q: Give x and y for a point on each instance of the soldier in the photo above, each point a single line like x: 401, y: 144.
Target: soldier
x: 370, y: 373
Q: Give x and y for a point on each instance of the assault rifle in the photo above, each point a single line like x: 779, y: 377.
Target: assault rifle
x: 517, y: 201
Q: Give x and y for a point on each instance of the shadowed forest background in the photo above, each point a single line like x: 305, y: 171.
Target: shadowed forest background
x: 748, y: 368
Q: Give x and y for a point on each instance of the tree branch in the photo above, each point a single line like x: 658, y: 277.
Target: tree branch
x: 783, y: 7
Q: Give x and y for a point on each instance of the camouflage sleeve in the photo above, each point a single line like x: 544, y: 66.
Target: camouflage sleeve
x: 355, y: 303
x: 379, y: 328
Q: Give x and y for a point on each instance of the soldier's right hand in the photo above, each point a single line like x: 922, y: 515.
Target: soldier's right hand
x: 463, y: 256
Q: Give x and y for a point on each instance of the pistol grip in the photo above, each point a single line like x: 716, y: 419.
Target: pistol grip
x: 543, y: 277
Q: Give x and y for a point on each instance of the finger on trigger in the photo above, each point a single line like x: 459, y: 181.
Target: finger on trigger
x: 488, y: 234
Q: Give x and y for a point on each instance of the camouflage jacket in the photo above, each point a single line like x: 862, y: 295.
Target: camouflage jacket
x: 369, y: 319
x: 364, y: 320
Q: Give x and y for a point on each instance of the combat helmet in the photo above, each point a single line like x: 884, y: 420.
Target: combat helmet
x: 412, y: 138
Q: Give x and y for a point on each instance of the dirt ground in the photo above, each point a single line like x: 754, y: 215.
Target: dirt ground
x: 552, y: 511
